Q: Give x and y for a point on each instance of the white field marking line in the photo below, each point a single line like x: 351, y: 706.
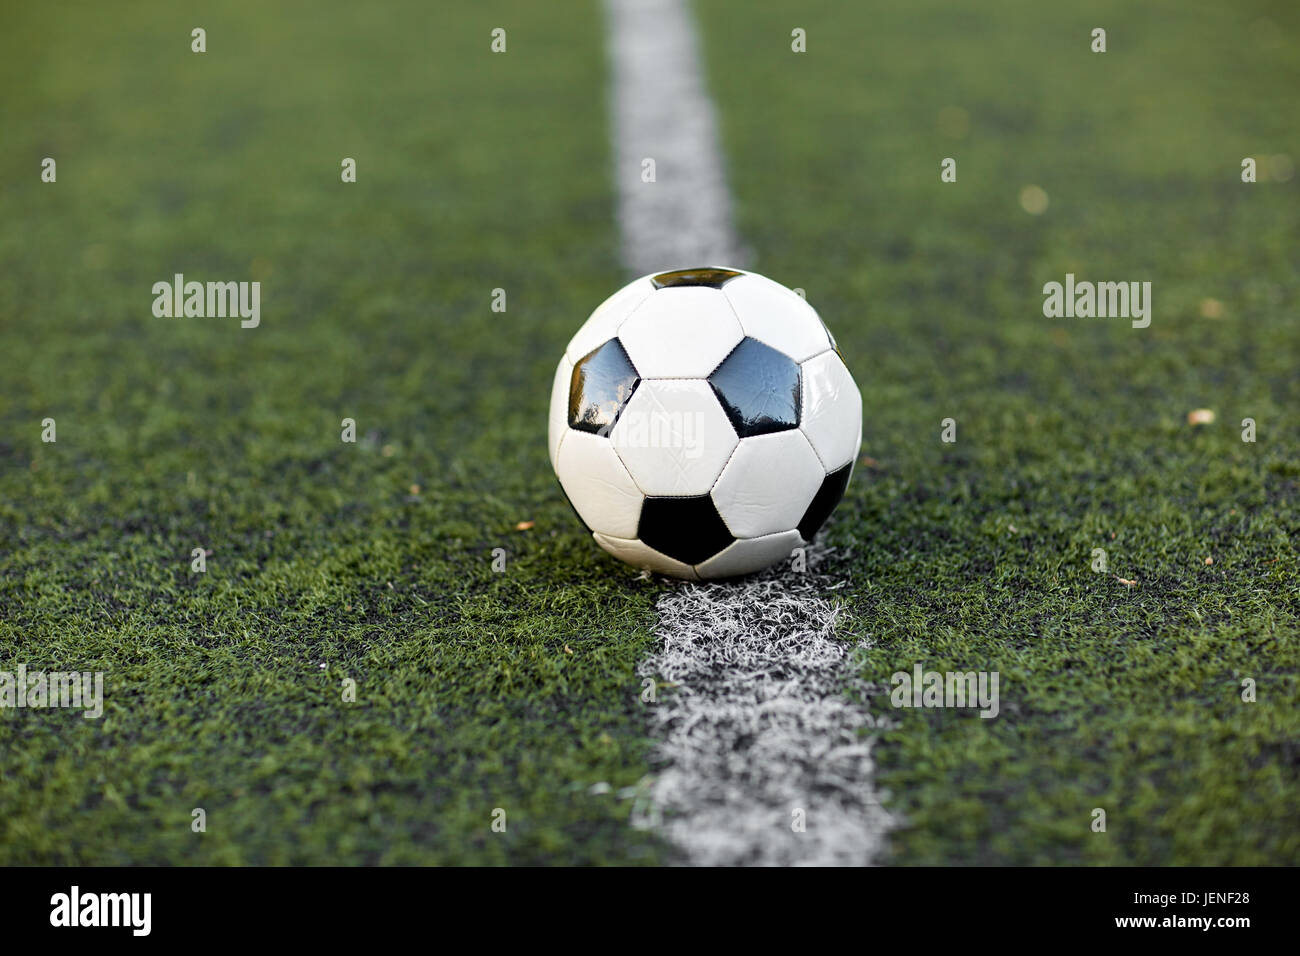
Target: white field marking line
x: 761, y: 733
x: 661, y: 111
x: 761, y: 724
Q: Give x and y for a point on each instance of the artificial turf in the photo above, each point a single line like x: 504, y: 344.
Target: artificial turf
x: 517, y: 690
x: 476, y: 689
x: 1071, y: 434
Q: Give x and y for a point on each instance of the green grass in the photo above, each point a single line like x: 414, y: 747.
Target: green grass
x: 1071, y: 434
x: 476, y: 690
x: 372, y: 561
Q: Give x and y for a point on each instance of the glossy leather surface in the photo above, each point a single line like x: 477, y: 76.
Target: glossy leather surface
x: 759, y: 389
x: 831, y: 413
x: 601, y: 384
x: 713, y: 277
x: 689, y: 530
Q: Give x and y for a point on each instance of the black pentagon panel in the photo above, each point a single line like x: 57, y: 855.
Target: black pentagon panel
x: 602, y: 383
x: 758, y: 388
x: 708, y: 276
x: 824, y: 502
x: 689, y: 530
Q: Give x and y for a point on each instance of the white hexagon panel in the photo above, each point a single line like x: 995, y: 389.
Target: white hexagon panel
x: 598, y: 486
x: 609, y: 315
x: 832, y: 410
x: 777, y: 317
x: 768, y: 484
x: 674, y: 437
x: 680, y: 333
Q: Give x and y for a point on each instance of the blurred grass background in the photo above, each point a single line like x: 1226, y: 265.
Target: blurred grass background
x: 476, y: 690
x: 1072, y: 434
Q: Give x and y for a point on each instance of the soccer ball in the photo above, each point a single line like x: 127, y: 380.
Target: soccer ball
x: 703, y: 423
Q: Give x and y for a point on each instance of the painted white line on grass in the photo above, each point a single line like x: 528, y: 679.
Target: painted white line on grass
x: 764, y: 755
x: 662, y: 112
x: 768, y: 757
